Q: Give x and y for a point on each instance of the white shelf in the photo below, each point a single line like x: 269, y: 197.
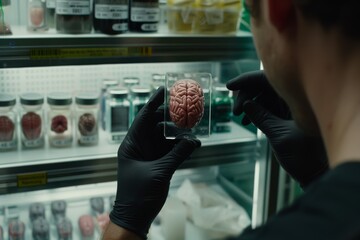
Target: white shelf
x: 104, y: 150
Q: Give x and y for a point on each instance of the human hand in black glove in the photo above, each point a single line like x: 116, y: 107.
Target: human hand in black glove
x: 146, y: 163
x: 302, y: 156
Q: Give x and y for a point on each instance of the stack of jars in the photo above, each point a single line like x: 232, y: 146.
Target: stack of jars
x: 107, y: 16
x: 58, y: 123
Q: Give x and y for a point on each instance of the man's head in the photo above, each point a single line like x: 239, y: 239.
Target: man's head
x: 281, y: 30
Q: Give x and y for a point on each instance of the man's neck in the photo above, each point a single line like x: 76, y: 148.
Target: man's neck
x: 332, y: 82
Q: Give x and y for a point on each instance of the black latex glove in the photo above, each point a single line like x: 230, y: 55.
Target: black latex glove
x: 146, y: 163
x: 302, y: 156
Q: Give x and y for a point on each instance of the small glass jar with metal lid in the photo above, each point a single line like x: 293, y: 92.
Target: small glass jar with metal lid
x: 60, y: 127
x: 106, y: 85
x: 32, y: 120
x: 8, y: 133
x: 87, y: 118
x: 118, y: 114
x: 158, y: 80
x: 128, y: 82
x: 140, y: 96
x: 222, y: 105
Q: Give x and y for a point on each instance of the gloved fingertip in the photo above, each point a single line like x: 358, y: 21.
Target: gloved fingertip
x: 156, y: 100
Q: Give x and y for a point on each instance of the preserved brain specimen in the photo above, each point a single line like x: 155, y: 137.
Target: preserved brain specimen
x: 87, y: 124
x: 31, y: 125
x: 186, y: 103
x: 7, y: 128
x: 59, y: 124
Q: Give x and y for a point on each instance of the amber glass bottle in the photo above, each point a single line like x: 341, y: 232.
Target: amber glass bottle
x: 144, y: 15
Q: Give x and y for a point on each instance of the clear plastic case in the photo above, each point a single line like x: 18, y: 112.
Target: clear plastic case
x: 188, y: 104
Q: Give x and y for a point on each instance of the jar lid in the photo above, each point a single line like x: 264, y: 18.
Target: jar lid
x: 109, y: 83
x: 119, y: 92
x: 31, y: 99
x: 7, y: 100
x: 59, y: 98
x: 140, y: 90
x: 87, y: 98
x: 131, y: 81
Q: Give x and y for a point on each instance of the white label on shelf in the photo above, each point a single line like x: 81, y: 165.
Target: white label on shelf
x: 69, y: 7
x: 34, y: 143
x: 7, y: 145
x: 139, y: 14
x: 149, y: 27
x: 89, y: 139
x: 50, y: 3
x: 104, y: 11
x: 120, y: 27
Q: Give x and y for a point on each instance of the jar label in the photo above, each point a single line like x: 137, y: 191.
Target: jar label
x: 88, y: 139
x: 8, y: 145
x: 140, y: 14
x: 117, y: 137
x: 34, y: 143
x: 104, y: 11
x: 120, y: 27
x: 149, y: 27
x: 119, y: 121
x: 214, y: 16
x: 70, y: 7
x: 50, y: 3
x: 61, y: 142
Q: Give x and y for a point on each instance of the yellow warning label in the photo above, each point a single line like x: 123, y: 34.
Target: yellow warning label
x: 32, y: 179
x: 63, y: 53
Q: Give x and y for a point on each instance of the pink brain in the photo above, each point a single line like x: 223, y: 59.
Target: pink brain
x: 186, y: 103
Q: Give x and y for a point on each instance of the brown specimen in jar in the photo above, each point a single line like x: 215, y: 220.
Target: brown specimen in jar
x: 87, y: 124
x: 59, y: 124
x: 86, y: 225
x: 31, y: 125
x: 7, y: 128
x: 186, y: 103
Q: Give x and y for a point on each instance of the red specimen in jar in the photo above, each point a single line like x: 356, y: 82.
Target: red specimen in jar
x: 7, y: 128
x: 16, y: 229
x: 87, y: 124
x: 103, y: 221
x: 186, y: 103
x: 31, y: 125
x: 59, y: 124
x: 86, y: 225
x: 64, y: 229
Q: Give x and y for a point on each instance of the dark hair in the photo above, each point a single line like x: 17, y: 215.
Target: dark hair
x: 344, y: 14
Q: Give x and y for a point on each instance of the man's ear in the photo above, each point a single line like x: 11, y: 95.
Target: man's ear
x: 281, y: 13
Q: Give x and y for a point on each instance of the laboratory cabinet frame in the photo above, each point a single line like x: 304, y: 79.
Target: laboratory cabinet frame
x: 239, y: 154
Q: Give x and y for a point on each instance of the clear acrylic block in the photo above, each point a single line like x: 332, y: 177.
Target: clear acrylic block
x: 188, y: 104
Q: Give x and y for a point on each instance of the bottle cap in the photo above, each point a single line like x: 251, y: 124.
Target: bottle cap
x: 119, y: 92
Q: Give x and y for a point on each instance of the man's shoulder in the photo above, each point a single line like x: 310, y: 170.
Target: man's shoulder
x: 330, y: 209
